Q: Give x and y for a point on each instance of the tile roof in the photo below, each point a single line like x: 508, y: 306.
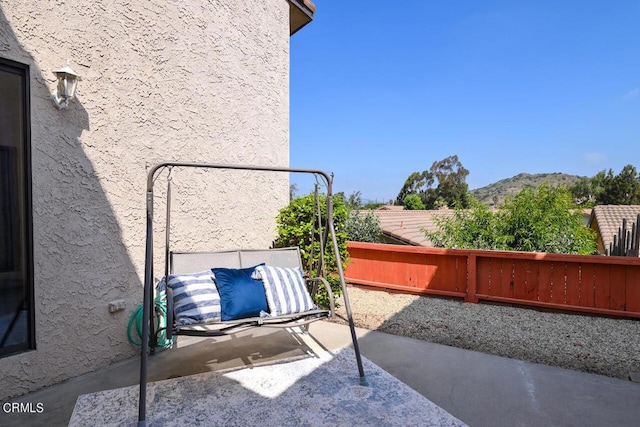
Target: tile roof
x: 407, y: 226
x: 391, y: 208
x: 608, y: 219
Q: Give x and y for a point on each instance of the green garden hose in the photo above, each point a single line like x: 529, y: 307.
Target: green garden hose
x: 160, y: 303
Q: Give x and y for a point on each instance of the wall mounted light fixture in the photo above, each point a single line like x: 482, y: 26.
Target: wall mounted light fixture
x: 66, y: 87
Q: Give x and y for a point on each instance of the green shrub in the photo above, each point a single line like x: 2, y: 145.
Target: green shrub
x: 545, y: 220
x: 474, y: 228
x: 296, y: 228
x: 363, y: 227
x: 535, y: 220
x: 412, y: 202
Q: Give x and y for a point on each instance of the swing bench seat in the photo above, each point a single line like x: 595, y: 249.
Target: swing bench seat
x: 182, y: 268
x: 280, y: 279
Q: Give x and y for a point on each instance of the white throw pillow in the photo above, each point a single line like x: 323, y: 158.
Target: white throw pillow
x: 285, y: 289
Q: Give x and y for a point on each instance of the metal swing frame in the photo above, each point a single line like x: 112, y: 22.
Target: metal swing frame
x: 148, y: 299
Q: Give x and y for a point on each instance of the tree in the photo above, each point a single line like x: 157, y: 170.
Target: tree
x: 354, y: 201
x: 605, y: 188
x: 417, y: 183
x: 452, y: 186
x: 451, y: 189
x: 412, y: 202
x: 624, y: 188
x: 584, y: 192
x: 293, y: 189
x: 535, y: 220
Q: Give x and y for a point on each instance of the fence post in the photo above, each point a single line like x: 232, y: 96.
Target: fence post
x: 471, y: 279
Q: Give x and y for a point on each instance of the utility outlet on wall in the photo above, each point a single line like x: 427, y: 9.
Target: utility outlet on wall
x: 117, y: 305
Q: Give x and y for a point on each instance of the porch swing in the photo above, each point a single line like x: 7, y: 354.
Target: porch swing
x: 202, y: 288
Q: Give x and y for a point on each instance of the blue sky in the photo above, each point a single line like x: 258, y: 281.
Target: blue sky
x: 381, y: 89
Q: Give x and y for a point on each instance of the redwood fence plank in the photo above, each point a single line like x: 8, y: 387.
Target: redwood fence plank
x: 572, y: 284
x: 601, y: 282
x: 463, y: 274
x: 447, y: 274
x: 520, y: 279
x: 499, y: 277
x: 587, y: 289
x: 633, y: 288
x: 545, y: 276
x: 617, y: 278
x: 558, y: 283
x: 484, y: 275
x: 471, y: 268
x: 508, y: 278
x: 531, y: 284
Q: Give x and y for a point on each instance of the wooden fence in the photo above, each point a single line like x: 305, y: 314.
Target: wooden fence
x: 626, y: 242
x: 606, y: 285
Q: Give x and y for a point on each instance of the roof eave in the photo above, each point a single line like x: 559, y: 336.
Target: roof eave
x: 400, y: 239
x: 300, y: 14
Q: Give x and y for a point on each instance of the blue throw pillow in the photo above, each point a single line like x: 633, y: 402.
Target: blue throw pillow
x: 240, y: 295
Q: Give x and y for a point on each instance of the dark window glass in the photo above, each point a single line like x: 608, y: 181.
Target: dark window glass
x: 16, y: 265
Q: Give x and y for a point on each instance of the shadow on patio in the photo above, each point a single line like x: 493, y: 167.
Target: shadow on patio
x: 479, y: 389
x: 314, y: 386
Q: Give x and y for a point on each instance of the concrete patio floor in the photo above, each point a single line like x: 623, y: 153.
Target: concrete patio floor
x: 479, y: 389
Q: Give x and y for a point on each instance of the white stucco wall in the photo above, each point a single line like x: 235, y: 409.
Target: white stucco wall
x: 188, y: 80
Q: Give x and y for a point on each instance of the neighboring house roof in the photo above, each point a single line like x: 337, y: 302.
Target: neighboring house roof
x: 391, y: 208
x: 407, y: 226
x: 607, y: 219
x: 300, y: 14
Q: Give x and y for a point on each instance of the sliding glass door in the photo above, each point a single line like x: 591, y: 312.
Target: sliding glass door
x: 16, y: 254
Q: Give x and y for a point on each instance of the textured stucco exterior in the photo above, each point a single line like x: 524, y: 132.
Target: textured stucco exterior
x: 188, y: 80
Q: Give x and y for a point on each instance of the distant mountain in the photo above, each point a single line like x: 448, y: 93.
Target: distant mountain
x: 511, y: 186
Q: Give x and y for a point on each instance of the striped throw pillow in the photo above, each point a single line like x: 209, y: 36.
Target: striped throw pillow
x: 285, y: 289
x: 195, y: 297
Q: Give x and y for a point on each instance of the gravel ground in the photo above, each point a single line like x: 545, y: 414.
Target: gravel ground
x: 601, y: 345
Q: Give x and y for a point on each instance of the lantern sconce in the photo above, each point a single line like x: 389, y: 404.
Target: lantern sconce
x: 66, y: 86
